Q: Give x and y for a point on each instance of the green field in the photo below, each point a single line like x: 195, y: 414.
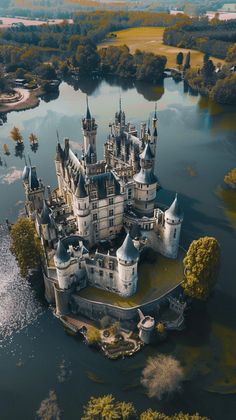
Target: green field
x: 149, y: 39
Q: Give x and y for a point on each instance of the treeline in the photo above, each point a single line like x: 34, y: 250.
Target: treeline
x: 213, y: 38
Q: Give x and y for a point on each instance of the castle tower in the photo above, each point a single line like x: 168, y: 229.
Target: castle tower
x: 48, y: 230
x: 173, y: 219
x: 146, y: 327
x: 59, y: 167
x: 89, y: 128
x: 120, y: 121
x: 81, y: 209
x: 145, y: 184
x: 153, y: 135
x: 127, y: 256
x: 63, y: 267
x: 34, y: 190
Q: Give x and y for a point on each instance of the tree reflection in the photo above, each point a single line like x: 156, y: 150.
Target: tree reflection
x: 150, y: 92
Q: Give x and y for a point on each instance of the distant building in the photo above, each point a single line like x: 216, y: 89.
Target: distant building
x: 94, y: 201
x: 228, y: 7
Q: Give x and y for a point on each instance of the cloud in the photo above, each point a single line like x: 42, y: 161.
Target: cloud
x: 11, y: 176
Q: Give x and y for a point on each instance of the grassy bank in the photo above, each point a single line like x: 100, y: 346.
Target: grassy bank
x: 149, y: 39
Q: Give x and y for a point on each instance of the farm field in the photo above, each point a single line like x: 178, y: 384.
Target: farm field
x: 149, y: 39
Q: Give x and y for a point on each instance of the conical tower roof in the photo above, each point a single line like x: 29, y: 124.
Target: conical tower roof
x: 174, y: 211
x: 61, y: 255
x: 147, y: 153
x: 25, y: 174
x: 33, y: 180
x: 127, y: 251
x: 80, y: 191
x: 45, y: 214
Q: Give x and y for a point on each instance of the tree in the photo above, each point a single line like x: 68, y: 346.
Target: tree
x: 49, y: 409
x: 33, y: 138
x: 160, y: 328
x: 16, y: 135
x: 179, y: 58
x: 208, y: 69
x: 231, y: 54
x: 200, y: 267
x: 162, y: 376
x: 93, y: 335
x: 101, y: 407
x: 224, y: 91
x: 230, y: 178
x: 187, y: 61
x: 87, y: 58
x: 155, y: 415
x: 25, y: 245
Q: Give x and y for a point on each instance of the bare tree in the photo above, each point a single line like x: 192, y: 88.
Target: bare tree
x: 162, y: 376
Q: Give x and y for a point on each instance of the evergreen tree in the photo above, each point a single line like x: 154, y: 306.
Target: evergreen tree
x: 179, y: 58
x: 187, y: 61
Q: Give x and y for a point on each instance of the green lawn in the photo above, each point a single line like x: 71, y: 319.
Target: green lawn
x: 149, y: 39
x: 155, y: 279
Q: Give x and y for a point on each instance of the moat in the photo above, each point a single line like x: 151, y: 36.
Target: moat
x: 196, y: 148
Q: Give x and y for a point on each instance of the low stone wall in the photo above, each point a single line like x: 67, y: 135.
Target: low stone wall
x: 97, y: 310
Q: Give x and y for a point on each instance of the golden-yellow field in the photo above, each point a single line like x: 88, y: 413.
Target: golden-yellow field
x: 149, y: 39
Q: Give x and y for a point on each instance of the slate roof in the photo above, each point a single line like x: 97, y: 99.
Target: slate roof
x: 25, y: 173
x: 45, y: 214
x: 147, y: 153
x: 80, y: 191
x: 127, y: 251
x: 33, y: 180
x: 174, y: 211
x: 62, y: 256
x: 100, y: 182
x: 145, y: 176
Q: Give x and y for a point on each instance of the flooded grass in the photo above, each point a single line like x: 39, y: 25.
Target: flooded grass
x: 229, y: 199
x: 155, y: 279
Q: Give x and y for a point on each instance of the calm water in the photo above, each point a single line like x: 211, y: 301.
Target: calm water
x: 197, y: 146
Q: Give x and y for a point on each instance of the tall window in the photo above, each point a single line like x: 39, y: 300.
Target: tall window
x: 111, y: 222
x: 94, y: 205
x: 111, y: 201
x: 95, y: 216
x: 175, y: 233
x: 111, y: 212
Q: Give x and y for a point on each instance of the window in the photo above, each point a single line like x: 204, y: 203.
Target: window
x: 95, y: 216
x: 94, y: 206
x: 129, y: 194
x: 93, y: 195
x: 111, y: 222
x: 111, y: 275
x: 111, y: 265
x: 84, y: 223
x: 110, y: 190
x: 175, y: 233
x: 80, y: 265
x: 111, y: 213
x: 100, y: 273
x: 111, y: 201
x: 133, y: 271
x: 96, y: 227
x: 91, y: 270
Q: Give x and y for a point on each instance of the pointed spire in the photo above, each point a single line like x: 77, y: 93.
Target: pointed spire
x: 45, y: 214
x: 149, y: 127
x: 80, y: 191
x: 88, y: 113
x: 147, y: 153
x: 61, y: 255
x: 174, y: 211
x: 155, y: 114
x: 127, y: 251
x: 25, y: 160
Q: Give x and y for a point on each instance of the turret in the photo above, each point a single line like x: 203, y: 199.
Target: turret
x: 59, y: 161
x: 145, y: 183
x: 47, y: 227
x: 127, y: 256
x: 89, y: 128
x: 120, y: 118
x: 173, y: 219
x: 34, y: 190
x: 81, y: 209
x: 62, y: 264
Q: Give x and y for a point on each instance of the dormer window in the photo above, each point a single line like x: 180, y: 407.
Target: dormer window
x: 93, y: 195
x: 110, y: 190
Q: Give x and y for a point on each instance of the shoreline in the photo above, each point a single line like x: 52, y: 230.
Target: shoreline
x: 32, y: 101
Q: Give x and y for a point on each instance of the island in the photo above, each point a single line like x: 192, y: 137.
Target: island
x: 96, y: 228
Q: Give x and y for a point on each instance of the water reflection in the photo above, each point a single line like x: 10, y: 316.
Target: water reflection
x: 19, y: 307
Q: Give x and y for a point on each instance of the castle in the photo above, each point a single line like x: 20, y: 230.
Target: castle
x: 94, y: 202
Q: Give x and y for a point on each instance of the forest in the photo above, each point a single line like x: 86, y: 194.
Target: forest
x: 214, y: 37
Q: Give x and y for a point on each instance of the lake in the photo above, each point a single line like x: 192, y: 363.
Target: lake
x: 196, y: 148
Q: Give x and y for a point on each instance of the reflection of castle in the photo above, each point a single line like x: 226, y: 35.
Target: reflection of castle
x: 94, y: 201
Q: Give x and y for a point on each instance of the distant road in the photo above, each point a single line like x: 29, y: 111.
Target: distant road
x: 7, y: 22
